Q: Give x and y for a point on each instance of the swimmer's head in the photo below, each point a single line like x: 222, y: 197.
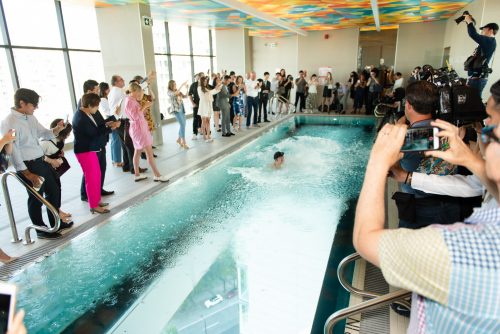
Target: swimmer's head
x: 279, y: 158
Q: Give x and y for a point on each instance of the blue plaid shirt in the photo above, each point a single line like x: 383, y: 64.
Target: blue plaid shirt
x: 453, y: 270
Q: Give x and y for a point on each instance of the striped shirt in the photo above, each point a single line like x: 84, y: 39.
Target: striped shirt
x: 453, y: 270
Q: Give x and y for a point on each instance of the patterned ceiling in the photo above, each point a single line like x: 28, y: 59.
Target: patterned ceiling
x: 309, y: 15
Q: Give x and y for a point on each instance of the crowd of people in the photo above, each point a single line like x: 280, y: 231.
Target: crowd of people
x: 440, y: 189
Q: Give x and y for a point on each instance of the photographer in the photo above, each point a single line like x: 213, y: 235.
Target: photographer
x: 417, y: 208
x: 478, y: 67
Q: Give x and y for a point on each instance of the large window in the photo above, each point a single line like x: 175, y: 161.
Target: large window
x: 45, y: 55
x: 44, y: 72
x: 6, y: 88
x: 180, y: 52
x: 32, y: 22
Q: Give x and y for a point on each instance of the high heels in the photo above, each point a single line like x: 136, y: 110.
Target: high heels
x: 185, y: 146
x: 101, y: 211
x: 103, y: 204
x: 178, y: 141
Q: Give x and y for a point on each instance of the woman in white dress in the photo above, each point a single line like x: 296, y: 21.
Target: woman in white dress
x: 205, y: 109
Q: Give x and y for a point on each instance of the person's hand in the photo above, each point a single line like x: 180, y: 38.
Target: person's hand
x: 468, y: 18
x: 398, y: 173
x: 387, y: 148
x: 9, y: 136
x: 33, y: 178
x: 17, y: 325
x: 147, y: 104
x: 458, y: 152
x: 116, y: 125
x: 401, y: 120
x: 55, y: 163
x: 59, y: 127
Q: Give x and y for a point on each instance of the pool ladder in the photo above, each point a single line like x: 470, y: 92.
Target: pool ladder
x: 277, y: 98
x: 8, y: 204
x: 376, y: 300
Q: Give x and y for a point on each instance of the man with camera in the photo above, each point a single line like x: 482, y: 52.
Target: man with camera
x: 418, y: 209
x: 477, y: 65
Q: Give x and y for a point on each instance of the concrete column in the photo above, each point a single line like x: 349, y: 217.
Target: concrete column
x: 127, y: 47
x: 234, y: 50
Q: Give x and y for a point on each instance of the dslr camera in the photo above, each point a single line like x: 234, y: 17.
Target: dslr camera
x: 461, y: 18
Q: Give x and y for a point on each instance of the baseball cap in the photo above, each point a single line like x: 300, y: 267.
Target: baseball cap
x: 278, y: 155
x: 492, y: 26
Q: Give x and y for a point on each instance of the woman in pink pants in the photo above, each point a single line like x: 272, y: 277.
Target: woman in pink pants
x: 86, y: 145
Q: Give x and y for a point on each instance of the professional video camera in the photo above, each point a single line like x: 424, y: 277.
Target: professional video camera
x: 458, y: 103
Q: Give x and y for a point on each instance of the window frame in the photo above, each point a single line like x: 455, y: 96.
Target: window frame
x: 9, y: 47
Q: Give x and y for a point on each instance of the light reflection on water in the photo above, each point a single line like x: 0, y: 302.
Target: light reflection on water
x: 275, y: 227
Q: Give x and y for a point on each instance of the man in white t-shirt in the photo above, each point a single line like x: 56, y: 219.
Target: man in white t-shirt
x: 253, y: 89
x: 115, y: 98
x: 398, y: 82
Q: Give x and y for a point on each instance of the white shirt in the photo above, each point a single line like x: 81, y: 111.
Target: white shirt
x: 313, y: 87
x: 449, y: 185
x: 116, y: 97
x: 28, y: 132
x: 49, y: 147
x: 453, y: 185
x: 104, y: 108
x: 274, y: 85
x: 397, y: 84
x: 251, y: 90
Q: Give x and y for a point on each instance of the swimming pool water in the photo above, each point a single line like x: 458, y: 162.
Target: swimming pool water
x: 258, y: 237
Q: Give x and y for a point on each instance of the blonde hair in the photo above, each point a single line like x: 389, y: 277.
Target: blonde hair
x: 171, y: 84
x: 134, y: 87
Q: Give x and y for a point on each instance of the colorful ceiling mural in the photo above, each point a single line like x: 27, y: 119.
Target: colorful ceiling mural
x: 308, y: 15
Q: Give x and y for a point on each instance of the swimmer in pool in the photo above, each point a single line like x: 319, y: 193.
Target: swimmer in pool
x: 279, y: 159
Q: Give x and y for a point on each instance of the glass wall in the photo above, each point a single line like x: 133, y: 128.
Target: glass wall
x: 180, y: 52
x: 52, y: 58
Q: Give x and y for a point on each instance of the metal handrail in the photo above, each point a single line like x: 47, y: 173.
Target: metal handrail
x: 353, y: 290
x: 8, y: 204
x: 284, y: 100
x: 364, y: 306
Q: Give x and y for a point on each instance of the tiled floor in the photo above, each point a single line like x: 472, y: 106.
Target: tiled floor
x: 172, y: 161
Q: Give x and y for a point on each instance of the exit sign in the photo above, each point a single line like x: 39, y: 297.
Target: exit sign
x: 147, y: 21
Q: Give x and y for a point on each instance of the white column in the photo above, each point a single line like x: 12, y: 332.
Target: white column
x: 127, y: 47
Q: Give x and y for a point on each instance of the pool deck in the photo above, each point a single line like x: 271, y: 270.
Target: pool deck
x: 172, y: 161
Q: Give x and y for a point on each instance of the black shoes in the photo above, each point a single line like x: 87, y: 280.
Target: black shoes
x: 266, y: 121
x: 64, y: 225
x: 48, y: 236
x: 141, y: 170
x: 106, y: 192
x: 231, y: 134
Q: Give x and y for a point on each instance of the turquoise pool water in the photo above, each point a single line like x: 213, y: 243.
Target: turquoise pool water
x: 260, y: 238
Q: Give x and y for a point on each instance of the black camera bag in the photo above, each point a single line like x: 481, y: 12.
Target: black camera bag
x: 467, y: 104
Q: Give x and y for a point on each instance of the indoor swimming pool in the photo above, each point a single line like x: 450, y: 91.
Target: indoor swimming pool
x: 235, y: 247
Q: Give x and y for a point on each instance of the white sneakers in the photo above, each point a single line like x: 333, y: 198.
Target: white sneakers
x: 161, y: 178
x: 140, y: 177
x: 195, y: 137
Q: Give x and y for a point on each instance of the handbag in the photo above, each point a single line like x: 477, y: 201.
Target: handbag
x: 63, y: 168
x: 474, y: 62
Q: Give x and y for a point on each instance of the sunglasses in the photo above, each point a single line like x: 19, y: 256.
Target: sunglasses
x: 488, y: 135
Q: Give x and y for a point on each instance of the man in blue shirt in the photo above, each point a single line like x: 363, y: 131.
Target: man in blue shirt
x: 486, y: 47
x: 28, y: 157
